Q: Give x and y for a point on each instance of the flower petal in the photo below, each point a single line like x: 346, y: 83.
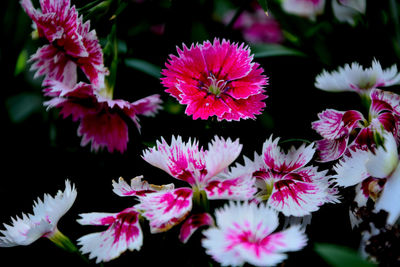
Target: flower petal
x: 278, y: 161
x: 351, y: 169
x: 296, y: 198
x: 123, y: 233
x: 231, y: 187
x: 137, y: 187
x: 193, y: 223
x: 166, y: 209
x: 220, y: 154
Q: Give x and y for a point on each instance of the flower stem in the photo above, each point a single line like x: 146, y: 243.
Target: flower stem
x: 200, y: 199
x: 62, y: 241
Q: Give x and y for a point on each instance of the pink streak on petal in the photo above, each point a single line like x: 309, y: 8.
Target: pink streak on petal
x: 329, y: 150
x: 193, y: 223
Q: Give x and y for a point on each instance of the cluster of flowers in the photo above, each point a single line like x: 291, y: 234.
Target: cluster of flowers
x: 218, y: 79
x: 72, y: 46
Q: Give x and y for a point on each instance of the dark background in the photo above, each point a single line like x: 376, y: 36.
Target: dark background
x: 41, y: 150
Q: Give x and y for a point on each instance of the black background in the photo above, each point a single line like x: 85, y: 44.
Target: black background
x: 40, y: 152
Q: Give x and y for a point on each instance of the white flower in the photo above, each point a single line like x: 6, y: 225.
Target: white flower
x: 244, y: 233
x: 43, y: 221
x: 347, y: 10
x: 304, y: 8
x: 356, y: 78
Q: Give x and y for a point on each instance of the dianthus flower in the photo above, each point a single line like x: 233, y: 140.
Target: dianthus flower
x: 336, y: 127
x: 304, y: 8
x: 204, y: 170
x: 216, y: 79
x: 71, y: 43
x: 357, y: 79
x: 377, y: 175
x: 43, y: 222
x: 101, y: 118
x: 285, y: 182
x: 123, y: 232
x: 256, y: 26
x: 141, y: 188
x: 245, y: 233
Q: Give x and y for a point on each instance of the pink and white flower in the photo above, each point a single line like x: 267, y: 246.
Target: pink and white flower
x: 377, y: 175
x: 123, y: 232
x: 71, y: 43
x: 304, y: 8
x: 216, y: 79
x: 336, y: 127
x: 245, y: 233
x: 101, y: 122
x: 357, y: 79
x: 204, y: 170
x: 286, y: 183
x: 139, y: 188
x: 43, y: 222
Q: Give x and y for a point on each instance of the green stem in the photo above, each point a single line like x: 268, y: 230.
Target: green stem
x: 62, y: 241
x: 200, y: 199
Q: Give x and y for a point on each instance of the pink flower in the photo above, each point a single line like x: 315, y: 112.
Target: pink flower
x: 286, y: 183
x: 123, y: 232
x: 101, y: 122
x: 71, y: 43
x: 257, y: 26
x: 216, y: 79
x: 245, y: 233
x: 336, y: 127
x: 203, y: 170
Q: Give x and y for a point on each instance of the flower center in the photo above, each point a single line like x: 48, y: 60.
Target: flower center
x: 216, y: 86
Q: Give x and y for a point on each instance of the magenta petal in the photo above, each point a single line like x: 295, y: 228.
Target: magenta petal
x: 52, y: 63
x: 218, y: 79
x: 329, y: 150
x: 166, y: 209
x: 227, y: 60
x: 391, y: 100
x: 239, y: 188
x: 193, y: 223
x: 203, y: 106
x: 243, y: 108
x: 104, y: 129
x: 336, y: 124
x: 148, y: 106
x: 296, y: 198
x: 123, y: 233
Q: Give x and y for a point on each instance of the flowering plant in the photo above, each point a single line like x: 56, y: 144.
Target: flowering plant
x: 202, y: 133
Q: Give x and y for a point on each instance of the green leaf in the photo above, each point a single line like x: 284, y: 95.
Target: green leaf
x: 273, y: 50
x: 20, y: 65
x: 21, y: 106
x: 144, y: 66
x: 263, y: 4
x: 339, y: 256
